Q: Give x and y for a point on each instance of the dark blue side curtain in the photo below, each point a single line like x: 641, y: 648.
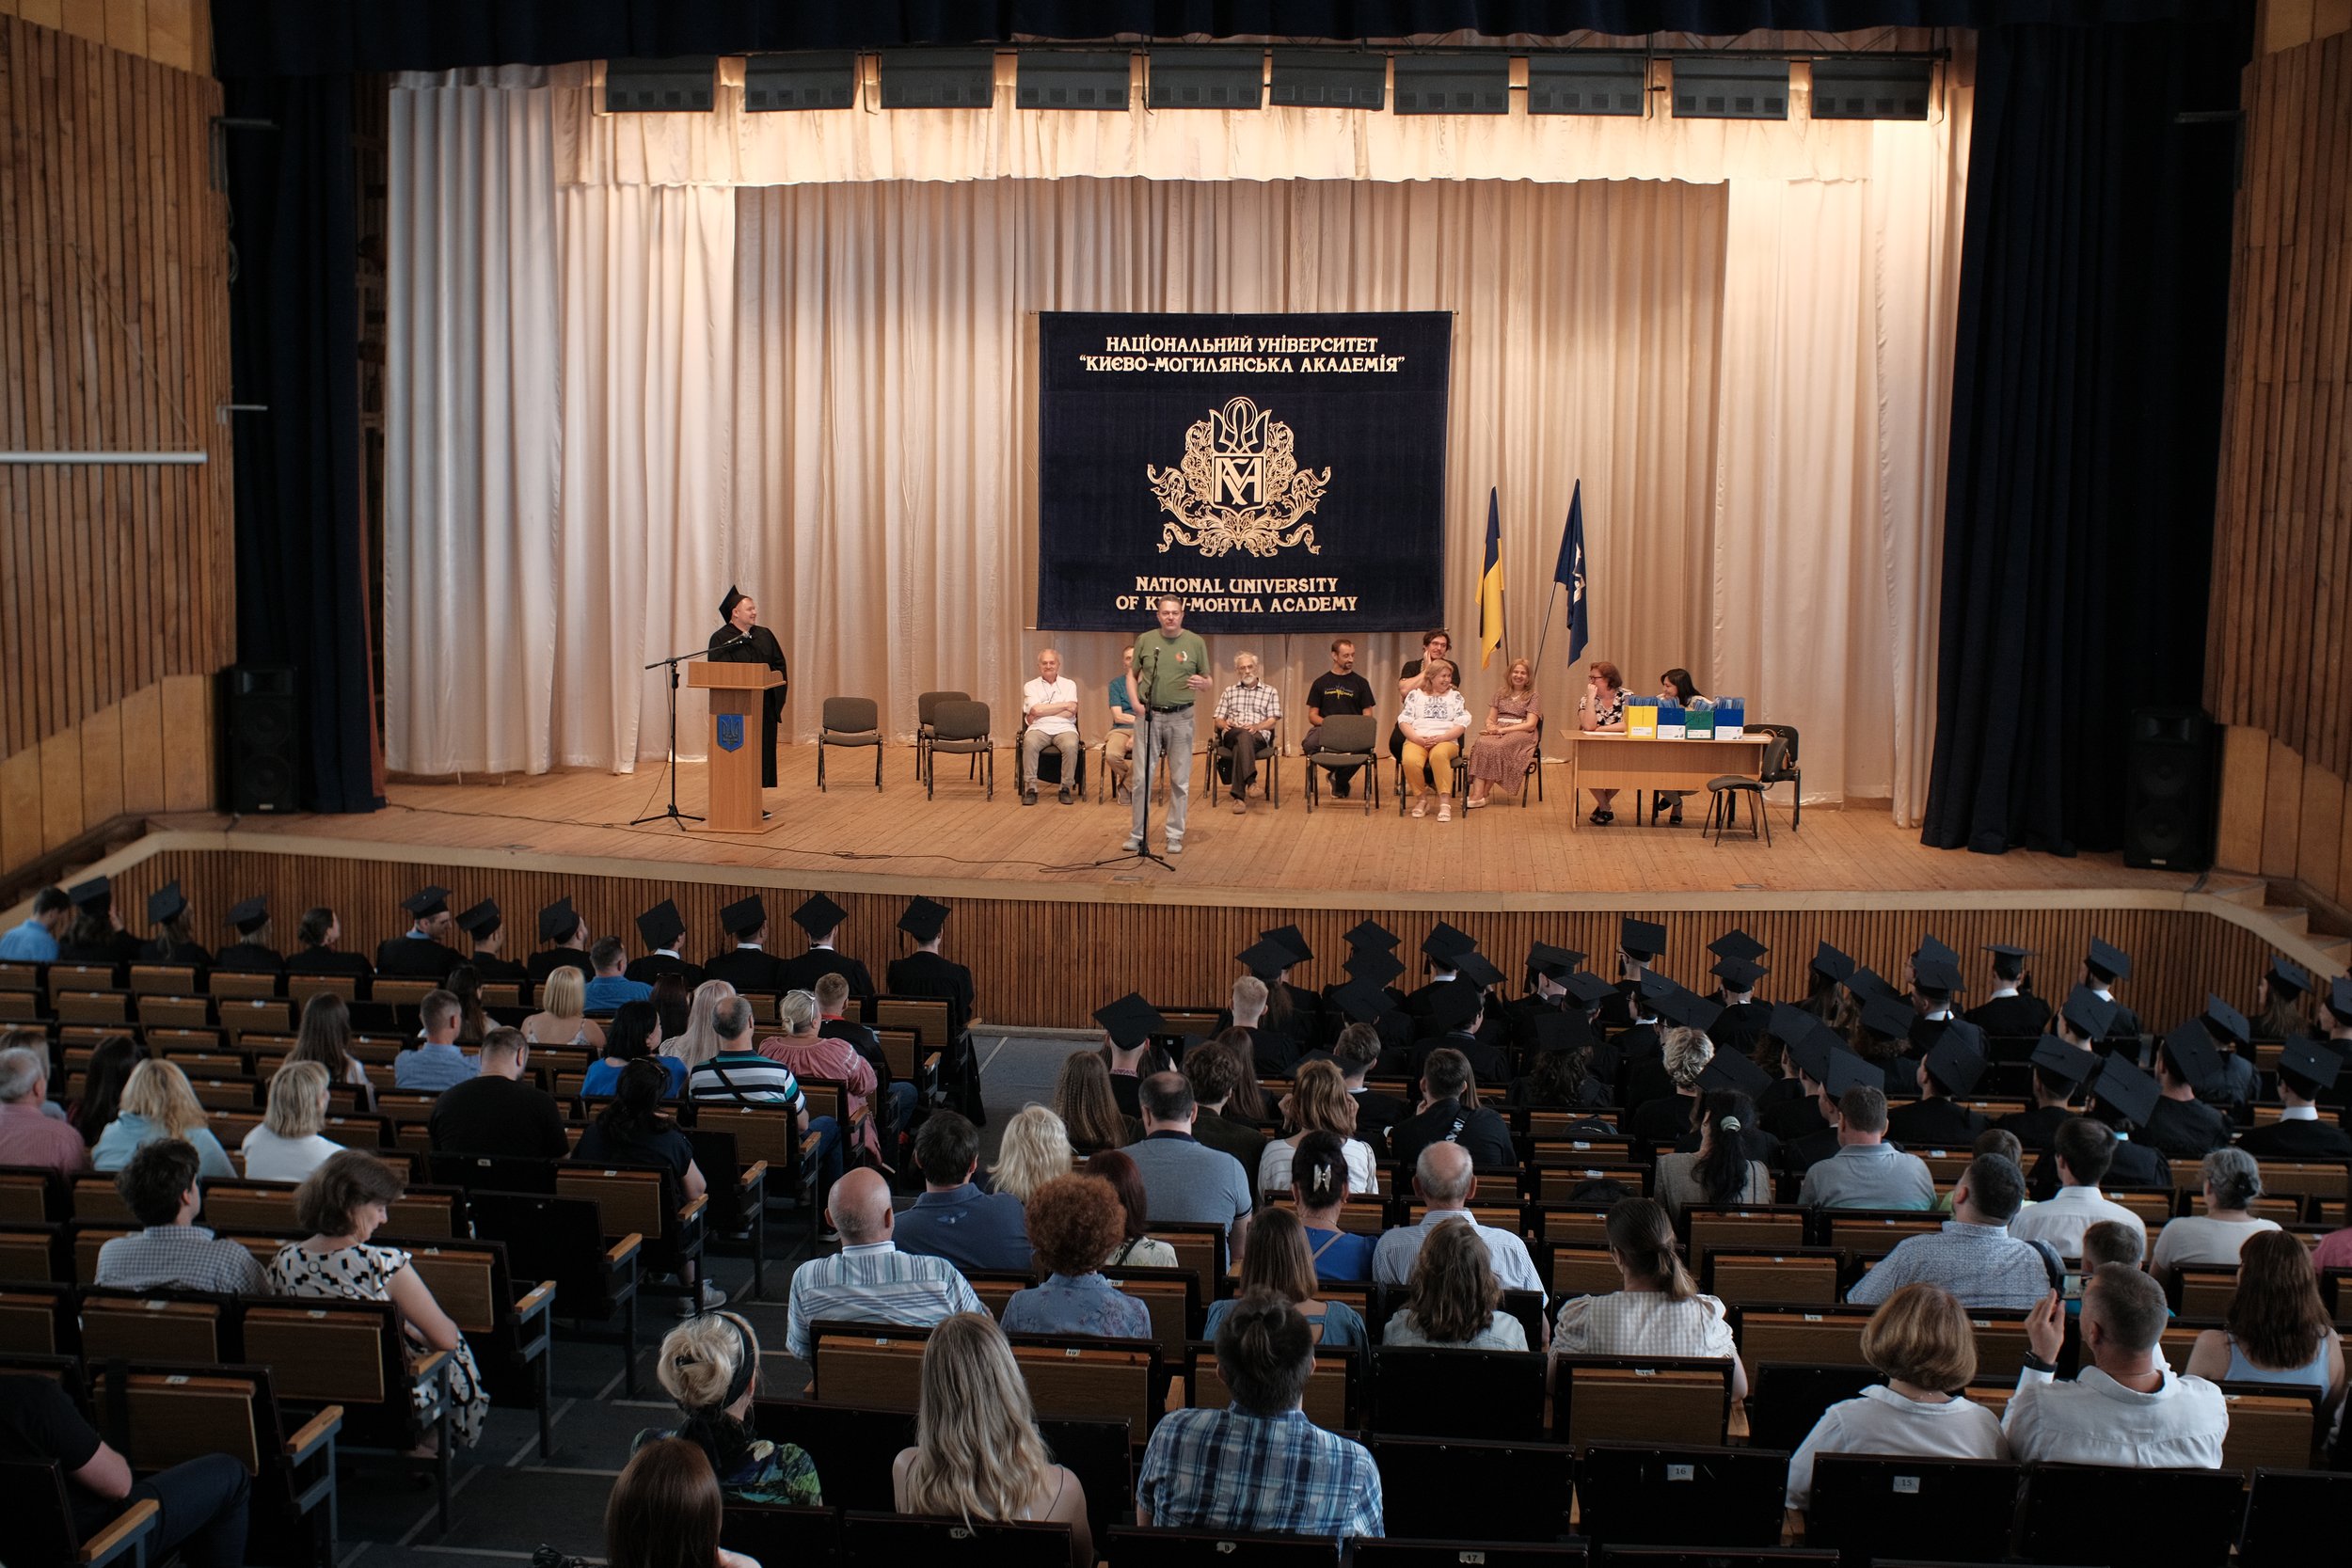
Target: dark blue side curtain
x: 2085, y: 424
x: 302, y: 573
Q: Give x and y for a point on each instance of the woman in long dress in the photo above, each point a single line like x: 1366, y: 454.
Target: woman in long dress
x: 1506, y: 745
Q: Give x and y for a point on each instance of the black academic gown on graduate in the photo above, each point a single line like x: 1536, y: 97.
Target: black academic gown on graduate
x: 413, y: 957
x: 762, y: 649
x: 491, y: 967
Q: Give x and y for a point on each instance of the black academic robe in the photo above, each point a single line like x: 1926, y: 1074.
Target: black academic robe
x: 762, y: 649
x: 2037, y: 1129
x: 1741, y: 1025
x: 922, y: 973
x: 117, y: 947
x: 653, y: 966
x: 803, y: 971
x: 1483, y: 1133
x: 328, y: 960
x: 2125, y: 1026
x: 1663, y: 1121
x: 1799, y: 1155
x: 2185, y: 1128
x: 548, y: 959
x: 1490, y: 1068
x: 1790, y: 1119
x: 1375, y: 1114
x: 747, y: 969
x: 2019, y: 1016
x: 491, y: 967
x: 1934, y: 1123
x: 163, y: 950
x: 249, y: 957
x: 411, y: 958
x: 2298, y: 1140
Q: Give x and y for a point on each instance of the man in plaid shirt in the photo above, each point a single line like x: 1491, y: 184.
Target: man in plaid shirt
x: 1246, y: 712
x: 1259, y: 1464
x: 159, y: 1185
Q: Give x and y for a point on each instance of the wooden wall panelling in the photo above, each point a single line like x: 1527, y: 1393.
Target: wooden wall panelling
x: 143, y: 750
x: 61, y: 790
x: 177, y: 33
x: 2282, y: 810
x: 2319, y: 833
x: 20, y: 808
x: 2245, y: 776
x: 188, y: 702
x: 101, y: 766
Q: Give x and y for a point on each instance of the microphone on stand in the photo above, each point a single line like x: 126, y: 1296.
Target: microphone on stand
x: 735, y: 642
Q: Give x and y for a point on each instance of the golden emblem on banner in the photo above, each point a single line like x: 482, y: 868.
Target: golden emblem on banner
x: 1239, y: 487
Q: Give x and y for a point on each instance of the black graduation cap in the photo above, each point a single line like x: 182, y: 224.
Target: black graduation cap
x: 2008, y: 950
x: 662, y: 925
x: 1265, y: 959
x: 1867, y: 985
x: 558, y: 920
x: 744, y: 916
x: 96, y: 893
x: 1587, y: 988
x: 1455, y: 1002
x: 1544, y: 958
x: 2131, y: 1092
x: 1790, y: 1022
x: 1737, y: 943
x: 1129, y: 1021
x: 2311, y: 1061
x: 819, y: 916
x: 2220, y: 1016
x: 481, y: 919
x: 1555, y: 1032
x: 1933, y: 949
x: 1739, y: 974
x: 1731, y: 1071
x: 1936, y: 975
x: 923, y: 919
x: 1444, y: 944
x: 1362, y: 1000
x: 248, y: 915
x: 2192, y: 1053
x: 1691, y: 1011
x: 166, y: 903
x: 426, y: 902
x: 1654, y: 986
x: 2340, y: 997
x: 1473, y: 966
x: 1830, y: 963
x: 2287, y: 976
x: 1371, y: 933
x: 2070, y: 1062
x: 1955, y: 1063
x: 2091, y: 1014
x: 1885, y: 1016
x: 1373, y: 965
x: 1292, y: 938
x: 1847, y: 1070
x: 2109, y: 961
x: 726, y: 606
x: 1645, y: 938
x: 1813, y: 1052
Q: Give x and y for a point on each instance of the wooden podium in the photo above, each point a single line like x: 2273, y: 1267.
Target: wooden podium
x: 737, y: 695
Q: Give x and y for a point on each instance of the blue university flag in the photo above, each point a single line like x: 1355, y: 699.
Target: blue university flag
x: 1569, y: 574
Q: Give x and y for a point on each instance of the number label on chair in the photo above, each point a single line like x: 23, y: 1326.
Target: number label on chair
x: 1680, y: 1472
x: 1906, y: 1486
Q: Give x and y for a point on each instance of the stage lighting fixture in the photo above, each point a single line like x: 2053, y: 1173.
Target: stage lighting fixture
x: 686, y: 85
x: 1071, y: 79
x: 817, y: 80
x: 1731, y: 89
x: 1862, y: 88
x: 938, y: 78
x: 1205, y: 78
x: 1306, y: 79
x: 1587, y: 85
x: 1453, y: 84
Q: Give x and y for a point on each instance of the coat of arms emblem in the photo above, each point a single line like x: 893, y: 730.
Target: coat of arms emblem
x: 730, y: 731
x: 1239, y: 486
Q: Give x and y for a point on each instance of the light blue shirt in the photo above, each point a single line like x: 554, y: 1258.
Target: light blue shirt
x: 606, y: 993
x: 602, y: 1076
x: 431, y: 1069
x: 29, y: 944
x: 130, y: 1132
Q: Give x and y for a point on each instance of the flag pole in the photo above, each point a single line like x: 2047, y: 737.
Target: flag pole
x: 1542, y: 641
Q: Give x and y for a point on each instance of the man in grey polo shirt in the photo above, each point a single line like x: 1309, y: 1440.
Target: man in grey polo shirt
x: 1866, y: 1172
x: 1185, y: 1179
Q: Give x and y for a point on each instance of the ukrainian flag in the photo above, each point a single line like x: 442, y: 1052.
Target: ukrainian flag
x: 1490, y: 584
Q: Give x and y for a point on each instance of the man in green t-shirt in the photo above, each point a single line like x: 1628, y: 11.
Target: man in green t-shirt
x: 1172, y: 671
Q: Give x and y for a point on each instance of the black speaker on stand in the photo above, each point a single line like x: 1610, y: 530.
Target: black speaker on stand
x: 260, y: 767
x: 2170, y: 790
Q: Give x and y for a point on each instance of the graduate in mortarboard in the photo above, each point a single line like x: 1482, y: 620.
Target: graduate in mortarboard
x: 2011, y: 1012
x: 419, y: 953
x: 739, y: 618
x: 926, y: 971
x: 663, y: 931
x: 562, y: 927
x: 251, y: 953
x: 820, y: 920
x: 486, y: 924
x: 96, y: 936
x: 173, y: 942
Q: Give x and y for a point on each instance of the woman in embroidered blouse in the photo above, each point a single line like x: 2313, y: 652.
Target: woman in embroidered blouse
x: 1434, y: 722
x: 711, y: 1365
x: 1659, y: 1311
x: 1601, y: 709
x: 1506, y: 745
x: 1275, y: 1259
x: 1074, y: 1222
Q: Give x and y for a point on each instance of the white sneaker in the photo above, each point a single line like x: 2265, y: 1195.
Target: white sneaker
x: 1131, y: 847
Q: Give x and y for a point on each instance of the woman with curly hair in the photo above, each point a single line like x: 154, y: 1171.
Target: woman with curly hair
x: 1074, y: 1222
x: 977, y: 1454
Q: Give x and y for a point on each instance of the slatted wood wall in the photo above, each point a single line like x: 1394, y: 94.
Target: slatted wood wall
x: 2279, y: 634
x: 1052, y: 964
x: 177, y: 33
x: 114, y: 270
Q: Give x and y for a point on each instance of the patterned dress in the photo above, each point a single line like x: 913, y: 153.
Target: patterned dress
x: 365, y: 1273
x: 1504, y: 758
x: 750, y: 1469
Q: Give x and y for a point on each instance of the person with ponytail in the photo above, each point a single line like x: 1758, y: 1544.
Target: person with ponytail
x: 711, y: 1365
x: 1659, y: 1311
x: 1320, y: 1179
x: 1721, y: 1171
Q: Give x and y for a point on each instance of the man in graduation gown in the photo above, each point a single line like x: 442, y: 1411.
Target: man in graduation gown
x: 565, y: 932
x: 821, y: 920
x: 739, y: 616
x: 419, y: 953
x: 926, y: 971
x: 251, y: 953
x: 487, y: 925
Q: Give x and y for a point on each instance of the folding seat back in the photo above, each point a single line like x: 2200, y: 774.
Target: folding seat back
x: 1949, y: 1509
x: 1636, y: 1493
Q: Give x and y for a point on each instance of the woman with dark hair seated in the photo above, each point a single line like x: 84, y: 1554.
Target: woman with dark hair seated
x: 1136, y: 1249
x: 1722, y: 1170
x: 1320, y: 1178
x: 634, y: 1034
x: 1276, y: 1261
x: 711, y: 1365
x: 1456, y: 1300
x: 110, y: 1064
x: 666, y: 1511
x: 1560, y: 1081
x: 1074, y: 1222
x: 1089, y: 1107
x: 2277, y: 1329
x: 1659, y: 1311
x: 631, y: 1130
x: 672, y: 1004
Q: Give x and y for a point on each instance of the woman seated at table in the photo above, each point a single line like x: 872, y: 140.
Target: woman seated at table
x: 1601, y: 710
x: 1434, y: 722
x: 1677, y: 687
x: 1505, y: 746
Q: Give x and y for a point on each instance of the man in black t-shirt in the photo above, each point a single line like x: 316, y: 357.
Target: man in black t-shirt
x: 201, y: 1503
x: 495, y: 1112
x: 1339, y: 692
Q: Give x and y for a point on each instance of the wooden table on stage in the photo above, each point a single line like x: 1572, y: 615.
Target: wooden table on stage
x: 737, y: 695
x: 1601, y: 761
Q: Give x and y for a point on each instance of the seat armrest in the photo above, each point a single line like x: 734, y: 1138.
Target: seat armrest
x: 542, y: 1296
x: 133, y: 1523
x: 315, y: 1430
x: 692, y: 1210
x: 754, y: 1178
x: 622, y: 1251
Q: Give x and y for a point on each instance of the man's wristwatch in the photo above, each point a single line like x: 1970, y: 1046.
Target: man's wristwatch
x: 2035, y: 1364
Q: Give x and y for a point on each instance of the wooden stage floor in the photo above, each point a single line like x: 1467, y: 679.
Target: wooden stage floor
x: 1503, y: 857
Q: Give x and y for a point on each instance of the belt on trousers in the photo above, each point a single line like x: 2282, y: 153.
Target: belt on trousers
x: 1177, y: 707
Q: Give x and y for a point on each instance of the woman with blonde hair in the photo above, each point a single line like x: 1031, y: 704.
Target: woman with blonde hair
x: 1434, y: 722
x: 1457, y: 1301
x: 1275, y: 1259
x: 711, y: 1365
x: 1503, y: 748
x: 1921, y: 1339
x: 1035, y: 1150
x: 1684, y: 1055
x: 1659, y: 1311
x: 699, y: 1041
x: 1318, y: 1102
x: 1089, y: 1111
x: 977, y: 1454
x: 157, y: 1103
x: 288, y: 1147
x: 562, y: 1016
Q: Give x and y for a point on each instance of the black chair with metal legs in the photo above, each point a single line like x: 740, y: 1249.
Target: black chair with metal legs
x: 1724, y: 789
x: 1220, y: 755
x: 925, y: 712
x: 1049, y: 766
x: 1345, y: 740
x: 959, y: 729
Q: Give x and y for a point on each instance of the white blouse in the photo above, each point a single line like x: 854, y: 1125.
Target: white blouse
x: 1883, y: 1421
x: 1274, y: 1166
x: 1427, y: 710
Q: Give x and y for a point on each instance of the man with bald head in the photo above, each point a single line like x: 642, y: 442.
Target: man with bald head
x: 1049, y: 711
x: 1443, y: 1178
x: 870, y: 1280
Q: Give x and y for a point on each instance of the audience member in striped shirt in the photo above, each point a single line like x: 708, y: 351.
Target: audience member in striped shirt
x: 870, y: 1280
x: 739, y: 1075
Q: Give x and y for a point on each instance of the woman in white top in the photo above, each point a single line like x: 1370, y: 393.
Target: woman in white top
x: 287, y: 1145
x: 562, y: 1015
x: 2232, y: 1183
x: 1318, y: 1102
x: 1601, y: 710
x: 1456, y: 1300
x: 977, y: 1451
x: 1434, y: 722
x: 1659, y: 1311
x: 1920, y: 1337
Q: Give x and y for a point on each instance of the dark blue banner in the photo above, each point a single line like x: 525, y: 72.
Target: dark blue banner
x: 1282, y: 473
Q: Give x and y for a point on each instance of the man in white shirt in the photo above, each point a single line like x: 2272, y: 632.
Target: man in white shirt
x: 2127, y: 1407
x: 1049, y: 705
x: 2083, y: 1149
x: 1444, y: 1179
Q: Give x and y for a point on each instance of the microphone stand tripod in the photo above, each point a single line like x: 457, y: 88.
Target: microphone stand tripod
x: 1142, y: 852
x: 670, y: 763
